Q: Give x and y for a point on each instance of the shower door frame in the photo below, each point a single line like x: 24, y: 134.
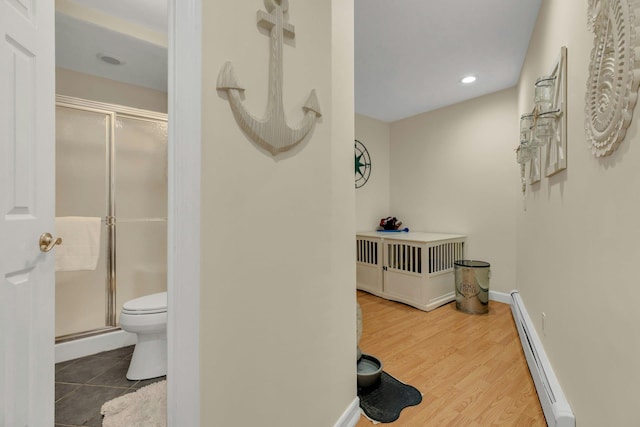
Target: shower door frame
x: 112, y: 111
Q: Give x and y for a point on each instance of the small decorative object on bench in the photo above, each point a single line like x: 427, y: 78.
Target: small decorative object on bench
x: 390, y: 223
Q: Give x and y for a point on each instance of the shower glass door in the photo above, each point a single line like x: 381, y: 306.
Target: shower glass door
x: 141, y: 207
x: 111, y: 163
x: 82, y: 140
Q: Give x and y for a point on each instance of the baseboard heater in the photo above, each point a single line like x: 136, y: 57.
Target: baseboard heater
x: 555, y: 406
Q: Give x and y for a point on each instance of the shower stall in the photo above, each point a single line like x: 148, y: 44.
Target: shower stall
x: 111, y: 163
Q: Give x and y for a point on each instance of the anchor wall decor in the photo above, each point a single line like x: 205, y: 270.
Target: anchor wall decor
x: 272, y: 131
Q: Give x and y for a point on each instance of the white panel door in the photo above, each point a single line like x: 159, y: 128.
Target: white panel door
x: 27, y: 138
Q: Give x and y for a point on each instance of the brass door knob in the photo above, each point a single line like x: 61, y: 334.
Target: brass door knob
x: 47, y: 242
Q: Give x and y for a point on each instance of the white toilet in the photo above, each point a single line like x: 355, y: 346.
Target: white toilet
x: 147, y: 317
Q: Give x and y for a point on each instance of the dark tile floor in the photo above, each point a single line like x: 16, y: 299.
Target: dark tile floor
x: 84, y: 385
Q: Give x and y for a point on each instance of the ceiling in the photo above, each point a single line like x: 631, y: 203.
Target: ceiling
x: 133, y: 31
x: 409, y: 54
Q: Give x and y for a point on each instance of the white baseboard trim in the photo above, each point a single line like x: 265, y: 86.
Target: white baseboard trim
x: 351, y: 415
x: 555, y: 405
x: 500, y: 297
x: 91, y: 345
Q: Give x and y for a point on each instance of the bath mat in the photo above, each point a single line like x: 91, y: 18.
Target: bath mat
x: 146, y: 407
x: 384, y: 401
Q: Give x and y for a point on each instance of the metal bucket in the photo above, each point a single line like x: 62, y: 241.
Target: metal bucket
x: 472, y: 286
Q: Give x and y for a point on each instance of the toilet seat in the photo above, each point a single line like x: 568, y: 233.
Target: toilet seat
x: 148, y: 304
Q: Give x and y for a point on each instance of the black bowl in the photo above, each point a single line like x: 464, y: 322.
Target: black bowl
x: 369, y: 370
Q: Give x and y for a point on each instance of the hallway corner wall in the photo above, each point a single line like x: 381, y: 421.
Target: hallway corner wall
x: 577, y: 243
x: 372, y: 199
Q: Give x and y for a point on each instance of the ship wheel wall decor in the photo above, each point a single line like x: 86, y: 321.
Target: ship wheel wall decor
x: 362, y: 164
x: 612, y: 87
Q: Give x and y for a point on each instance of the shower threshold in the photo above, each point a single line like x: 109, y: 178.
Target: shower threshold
x: 86, y: 334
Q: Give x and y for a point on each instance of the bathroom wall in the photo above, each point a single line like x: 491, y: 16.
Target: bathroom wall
x: 277, y: 331
x: 372, y: 199
x: 80, y: 85
x: 453, y: 170
x: 577, y: 245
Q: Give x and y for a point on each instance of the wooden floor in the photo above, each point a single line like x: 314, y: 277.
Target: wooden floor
x: 469, y: 368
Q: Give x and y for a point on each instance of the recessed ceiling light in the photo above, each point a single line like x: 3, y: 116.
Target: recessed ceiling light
x: 111, y: 60
x: 468, y: 80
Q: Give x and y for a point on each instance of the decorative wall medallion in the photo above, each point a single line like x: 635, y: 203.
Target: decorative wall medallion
x: 612, y: 88
x: 362, y: 164
x: 272, y: 131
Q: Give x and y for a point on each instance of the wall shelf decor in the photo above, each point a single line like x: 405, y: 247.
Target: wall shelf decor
x: 544, y: 129
x: 556, y: 148
x: 271, y: 132
x: 613, y: 73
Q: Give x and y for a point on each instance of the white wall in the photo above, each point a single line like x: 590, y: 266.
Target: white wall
x: 278, y: 337
x: 453, y: 170
x: 578, y: 241
x: 372, y: 199
x: 85, y: 86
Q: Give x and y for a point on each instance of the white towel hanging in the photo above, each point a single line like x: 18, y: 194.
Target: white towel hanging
x: 80, y: 246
